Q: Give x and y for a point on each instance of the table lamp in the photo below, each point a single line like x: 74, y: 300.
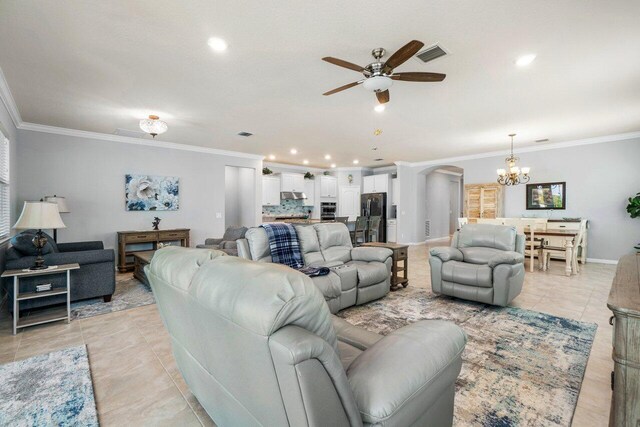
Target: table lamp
x: 62, y: 208
x: 39, y: 215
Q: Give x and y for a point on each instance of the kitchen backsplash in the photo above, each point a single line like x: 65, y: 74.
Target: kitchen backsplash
x: 287, y: 207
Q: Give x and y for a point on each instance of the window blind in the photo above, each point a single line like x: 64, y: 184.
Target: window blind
x: 5, y: 204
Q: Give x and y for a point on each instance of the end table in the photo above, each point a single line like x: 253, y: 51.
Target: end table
x: 52, y: 315
x: 400, y: 254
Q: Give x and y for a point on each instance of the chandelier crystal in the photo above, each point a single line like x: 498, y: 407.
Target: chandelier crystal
x: 513, y: 174
x: 153, y: 125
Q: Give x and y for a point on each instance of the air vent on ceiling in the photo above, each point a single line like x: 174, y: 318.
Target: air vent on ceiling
x: 542, y: 140
x: 431, y: 53
x: 378, y: 160
x: 245, y: 134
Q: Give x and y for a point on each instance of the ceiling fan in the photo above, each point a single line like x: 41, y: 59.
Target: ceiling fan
x: 379, y: 76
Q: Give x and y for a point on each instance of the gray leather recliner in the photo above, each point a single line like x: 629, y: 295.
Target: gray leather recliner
x: 257, y: 345
x: 484, y: 263
x: 358, y: 275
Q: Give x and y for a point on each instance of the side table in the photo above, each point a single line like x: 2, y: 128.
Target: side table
x: 49, y: 315
x: 400, y: 255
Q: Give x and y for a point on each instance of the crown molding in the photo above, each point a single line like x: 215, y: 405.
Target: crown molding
x: 529, y: 149
x: 448, y: 172
x: 8, y: 101
x: 294, y: 167
x: 390, y: 168
x: 33, y: 127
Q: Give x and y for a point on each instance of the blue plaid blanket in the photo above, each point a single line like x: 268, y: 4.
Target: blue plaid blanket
x: 284, y: 245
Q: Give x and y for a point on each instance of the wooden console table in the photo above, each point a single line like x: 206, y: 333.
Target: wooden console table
x: 400, y: 255
x: 624, y: 302
x: 128, y: 238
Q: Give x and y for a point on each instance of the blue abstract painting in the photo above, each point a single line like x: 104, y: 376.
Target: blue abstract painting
x: 152, y: 193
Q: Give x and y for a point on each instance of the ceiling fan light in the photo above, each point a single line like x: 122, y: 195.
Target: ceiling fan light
x: 153, y: 125
x: 377, y: 83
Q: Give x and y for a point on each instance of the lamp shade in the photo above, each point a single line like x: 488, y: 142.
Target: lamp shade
x: 39, y: 215
x: 60, y: 201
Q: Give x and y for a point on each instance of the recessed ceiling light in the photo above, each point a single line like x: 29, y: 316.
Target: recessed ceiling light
x: 272, y: 157
x: 293, y: 151
x: 333, y: 165
x: 525, y: 60
x: 327, y: 157
x: 217, y: 44
x: 356, y: 161
x: 305, y: 161
x: 379, y: 108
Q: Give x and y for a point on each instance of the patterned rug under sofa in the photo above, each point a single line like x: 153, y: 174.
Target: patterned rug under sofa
x: 53, y: 389
x: 520, y: 367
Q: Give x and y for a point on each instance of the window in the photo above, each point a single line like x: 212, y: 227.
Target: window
x: 5, y: 204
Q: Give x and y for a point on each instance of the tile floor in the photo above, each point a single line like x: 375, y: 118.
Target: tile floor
x: 136, y: 380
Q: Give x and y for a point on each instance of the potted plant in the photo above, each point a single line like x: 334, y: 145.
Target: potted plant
x: 633, y: 208
x: 308, y: 175
x: 266, y: 171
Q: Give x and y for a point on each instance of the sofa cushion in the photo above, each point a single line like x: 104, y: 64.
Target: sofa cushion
x: 467, y: 274
x: 370, y: 273
x: 258, y: 244
x: 329, y: 285
x: 23, y: 242
x: 479, y: 255
x: 309, y: 245
x: 335, y: 241
x: 488, y: 236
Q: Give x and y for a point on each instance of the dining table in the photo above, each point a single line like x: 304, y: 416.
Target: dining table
x: 569, y: 237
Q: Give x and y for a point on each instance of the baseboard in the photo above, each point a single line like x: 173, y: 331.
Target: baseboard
x: 602, y: 261
x: 437, y: 239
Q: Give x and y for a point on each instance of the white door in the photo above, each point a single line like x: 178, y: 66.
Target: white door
x: 298, y: 182
x: 328, y: 186
x: 381, y: 183
x: 349, y: 202
x: 270, y: 191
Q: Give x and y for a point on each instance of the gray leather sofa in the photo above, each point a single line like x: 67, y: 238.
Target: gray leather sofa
x: 358, y: 275
x: 484, y: 263
x: 257, y: 346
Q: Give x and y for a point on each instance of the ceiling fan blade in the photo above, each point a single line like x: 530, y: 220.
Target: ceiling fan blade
x: 341, y: 88
x: 419, y: 77
x: 402, y: 54
x: 383, y: 97
x: 341, y: 63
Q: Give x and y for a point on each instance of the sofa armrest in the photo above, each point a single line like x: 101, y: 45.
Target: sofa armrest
x: 229, y: 244
x: 353, y: 335
x: 370, y: 254
x: 59, y: 258
x: 243, y: 248
x: 506, y: 257
x: 80, y: 246
x: 386, y: 389
x: 447, y: 253
x: 210, y: 242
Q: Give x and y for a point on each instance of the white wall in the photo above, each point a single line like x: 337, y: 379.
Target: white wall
x: 90, y: 174
x: 437, y: 202
x: 231, y: 205
x: 600, y: 178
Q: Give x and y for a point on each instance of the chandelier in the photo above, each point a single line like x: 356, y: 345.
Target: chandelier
x: 153, y: 125
x: 513, y: 175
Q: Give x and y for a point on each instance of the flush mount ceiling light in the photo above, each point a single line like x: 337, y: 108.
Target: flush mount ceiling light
x: 379, y: 108
x: 293, y: 151
x: 272, y: 157
x: 333, y: 165
x: 513, y: 175
x: 153, y: 125
x: 327, y: 157
x: 217, y: 44
x: 305, y: 162
x: 356, y: 161
x: 525, y: 60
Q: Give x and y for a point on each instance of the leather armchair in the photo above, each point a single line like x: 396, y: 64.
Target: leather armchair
x: 257, y: 346
x: 484, y: 263
x: 227, y: 243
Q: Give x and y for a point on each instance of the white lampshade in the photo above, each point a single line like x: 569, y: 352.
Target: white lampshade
x: 60, y: 201
x: 377, y: 83
x: 153, y: 125
x: 39, y: 215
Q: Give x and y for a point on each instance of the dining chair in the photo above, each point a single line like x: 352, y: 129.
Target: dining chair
x: 342, y: 219
x: 359, y: 235
x: 374, y: 226
x: 547, y: 251
x: 462, y: 221
x: 533, y: 245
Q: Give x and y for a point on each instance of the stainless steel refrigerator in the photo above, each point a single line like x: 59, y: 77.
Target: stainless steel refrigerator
x: 375, y: 204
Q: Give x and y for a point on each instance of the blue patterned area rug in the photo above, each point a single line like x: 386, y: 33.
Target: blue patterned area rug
x: 130, y: 293
x: 52, y: 389
x: 520, y: 367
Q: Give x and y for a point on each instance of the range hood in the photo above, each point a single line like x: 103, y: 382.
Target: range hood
x: 292, y: 195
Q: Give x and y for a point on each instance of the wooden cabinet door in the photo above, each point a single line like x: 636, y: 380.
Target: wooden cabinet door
x: 483, y: 201
x: 270, y: 191
x: 488, y: 202
x: 472, y: 201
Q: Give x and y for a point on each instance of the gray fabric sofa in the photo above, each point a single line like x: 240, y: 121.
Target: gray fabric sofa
x: 358, y: 275
x: 227, y: 243
x: 257, y: 346
x: 484, y: 263
x: 95, y: 278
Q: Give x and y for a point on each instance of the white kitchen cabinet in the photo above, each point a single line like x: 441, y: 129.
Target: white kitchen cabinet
x: 395, y: 192
x: 376, y: 183
x: 310, y: 192
x: 328, y: 186
x: 292, y: 182
x: 349, y: 202
x: 270, y: 191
